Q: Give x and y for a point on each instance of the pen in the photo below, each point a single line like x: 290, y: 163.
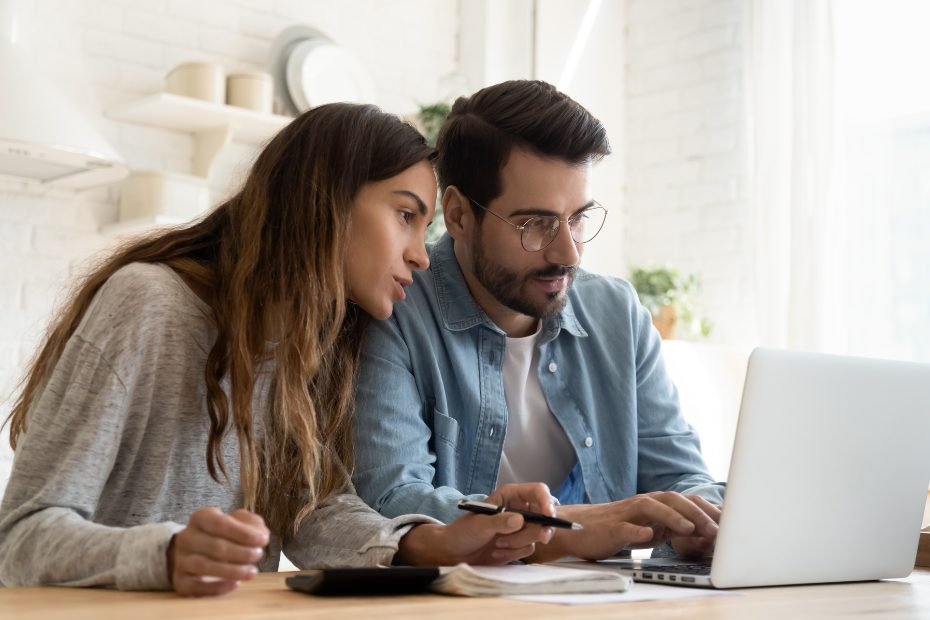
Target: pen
x: 484, y: 508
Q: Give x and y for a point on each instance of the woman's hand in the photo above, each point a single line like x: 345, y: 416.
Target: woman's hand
x: 216, y: 551
x: 482, y: 539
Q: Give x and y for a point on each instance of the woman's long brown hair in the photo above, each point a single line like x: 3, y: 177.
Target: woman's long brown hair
x: 272, y: 255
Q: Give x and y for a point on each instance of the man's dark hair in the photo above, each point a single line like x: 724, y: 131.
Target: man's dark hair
x: 480, y: 132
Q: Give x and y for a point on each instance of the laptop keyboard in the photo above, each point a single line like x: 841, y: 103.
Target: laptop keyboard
x: 685, y: 569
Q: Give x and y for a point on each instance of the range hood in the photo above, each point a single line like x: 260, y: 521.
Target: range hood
x: 44, y: 139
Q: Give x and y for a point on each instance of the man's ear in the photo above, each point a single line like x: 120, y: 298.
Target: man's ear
x: 457, y: 212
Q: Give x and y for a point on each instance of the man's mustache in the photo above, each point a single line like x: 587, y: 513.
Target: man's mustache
x: 555, y: 271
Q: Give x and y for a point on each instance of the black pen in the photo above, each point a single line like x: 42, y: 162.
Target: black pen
x: 484, y: 508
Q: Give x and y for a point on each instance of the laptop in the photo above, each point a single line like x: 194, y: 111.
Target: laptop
x: 828, y: 477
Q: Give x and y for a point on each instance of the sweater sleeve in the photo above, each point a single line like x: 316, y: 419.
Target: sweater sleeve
x: 47, y: 532
x: 345, y: 532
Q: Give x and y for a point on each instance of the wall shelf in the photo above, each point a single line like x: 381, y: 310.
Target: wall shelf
x: 194, y: 115
x: 213, y: 126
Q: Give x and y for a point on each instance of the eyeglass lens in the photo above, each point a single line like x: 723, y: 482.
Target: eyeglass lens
x: 538, y: 232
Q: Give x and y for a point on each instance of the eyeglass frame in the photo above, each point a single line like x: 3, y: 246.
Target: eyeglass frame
x: 521, y: 228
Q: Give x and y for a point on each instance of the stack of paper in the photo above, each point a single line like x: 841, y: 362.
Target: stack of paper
x: 465, y: 580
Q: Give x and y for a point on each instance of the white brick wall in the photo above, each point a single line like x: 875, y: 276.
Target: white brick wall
x: 683, y: 140
x: 686, y: 199
x: 102, y: 52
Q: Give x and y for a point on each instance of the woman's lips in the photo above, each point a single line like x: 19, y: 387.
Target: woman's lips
x: 399, y: 285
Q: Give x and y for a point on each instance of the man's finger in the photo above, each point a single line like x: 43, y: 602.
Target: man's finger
x: 713, y: 511
x: 692, y: 546
x: 689, y: 508
x: 632, y: 533
x: 650, y: 510
x: 529, y: 535
x: 510, y: 555
x: 533, y: 496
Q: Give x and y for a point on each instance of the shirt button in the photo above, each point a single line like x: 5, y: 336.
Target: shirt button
x: 588, y: 442
x: 553, y: 366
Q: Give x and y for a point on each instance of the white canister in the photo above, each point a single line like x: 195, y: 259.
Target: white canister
x: 200, y: 80
x: 151, y: 193
x: 250, y: 89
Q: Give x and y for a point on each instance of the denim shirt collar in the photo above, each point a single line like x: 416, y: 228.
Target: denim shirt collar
x: 459, y: 309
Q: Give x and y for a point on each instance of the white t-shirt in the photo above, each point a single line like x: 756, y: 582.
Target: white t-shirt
x: 536, y: 448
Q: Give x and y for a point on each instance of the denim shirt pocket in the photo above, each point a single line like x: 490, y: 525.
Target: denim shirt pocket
x: 445, y: 443
x: 446, y: 431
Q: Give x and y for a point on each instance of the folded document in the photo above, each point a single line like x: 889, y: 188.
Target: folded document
x: 465, y: 580
x: 461, y: 580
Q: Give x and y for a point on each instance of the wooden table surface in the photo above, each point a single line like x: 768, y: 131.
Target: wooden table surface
x: 268, y: 597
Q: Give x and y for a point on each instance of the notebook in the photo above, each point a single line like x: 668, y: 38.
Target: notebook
x: 461, y: 580
x: 828, y: 477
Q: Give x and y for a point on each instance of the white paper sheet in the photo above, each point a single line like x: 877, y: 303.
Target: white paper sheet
x: 638, y: 592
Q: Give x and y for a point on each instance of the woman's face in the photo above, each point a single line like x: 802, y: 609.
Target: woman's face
x: 386, y: 238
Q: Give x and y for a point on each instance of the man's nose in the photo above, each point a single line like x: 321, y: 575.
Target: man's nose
x: 563, y: 250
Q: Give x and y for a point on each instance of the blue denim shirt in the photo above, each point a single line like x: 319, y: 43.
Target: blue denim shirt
x: 431, y: 413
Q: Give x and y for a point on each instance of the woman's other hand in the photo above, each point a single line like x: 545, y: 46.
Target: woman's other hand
x: 216, y: 551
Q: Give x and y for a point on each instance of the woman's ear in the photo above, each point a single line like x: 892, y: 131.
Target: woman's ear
x: 457, y: 212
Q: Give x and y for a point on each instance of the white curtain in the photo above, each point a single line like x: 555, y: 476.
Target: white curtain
x: 791, y: 119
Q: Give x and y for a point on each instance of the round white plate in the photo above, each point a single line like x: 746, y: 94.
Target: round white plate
x: 281, y: 49
x: 318, y: 71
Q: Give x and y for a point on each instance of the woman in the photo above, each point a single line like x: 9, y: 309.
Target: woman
x: 204, y: 376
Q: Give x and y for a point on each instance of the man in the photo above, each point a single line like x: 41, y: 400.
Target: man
x: 507, y: 363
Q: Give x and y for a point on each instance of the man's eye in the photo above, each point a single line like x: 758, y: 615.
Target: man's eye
x: 579, y: 218
x: 537, y: 223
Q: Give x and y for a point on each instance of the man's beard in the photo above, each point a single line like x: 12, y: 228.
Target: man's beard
x: 507, y: 286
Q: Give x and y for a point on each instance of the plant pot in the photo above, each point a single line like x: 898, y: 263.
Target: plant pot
x: 665, y: 321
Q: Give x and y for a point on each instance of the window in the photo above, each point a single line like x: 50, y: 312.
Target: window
x: 882, y: 253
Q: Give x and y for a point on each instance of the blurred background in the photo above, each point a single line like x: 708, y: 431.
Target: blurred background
x: 769, y: 183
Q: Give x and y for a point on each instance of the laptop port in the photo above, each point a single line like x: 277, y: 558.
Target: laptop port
x: 688, y: 579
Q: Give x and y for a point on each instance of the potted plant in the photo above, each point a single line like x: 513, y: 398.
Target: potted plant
x: 669, y: 297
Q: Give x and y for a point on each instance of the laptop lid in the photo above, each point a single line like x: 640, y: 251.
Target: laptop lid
x: 828, y: 477
x: 829, y: 472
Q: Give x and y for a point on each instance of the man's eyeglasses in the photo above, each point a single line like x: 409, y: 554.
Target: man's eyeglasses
x: 540, y: 230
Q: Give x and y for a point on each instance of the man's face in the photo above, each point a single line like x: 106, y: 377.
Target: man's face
x: 508, y: 281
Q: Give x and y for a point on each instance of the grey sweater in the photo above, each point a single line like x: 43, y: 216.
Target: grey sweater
x: 114, y: 459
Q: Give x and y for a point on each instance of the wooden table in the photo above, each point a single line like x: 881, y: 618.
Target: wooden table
x: 268, y: 597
